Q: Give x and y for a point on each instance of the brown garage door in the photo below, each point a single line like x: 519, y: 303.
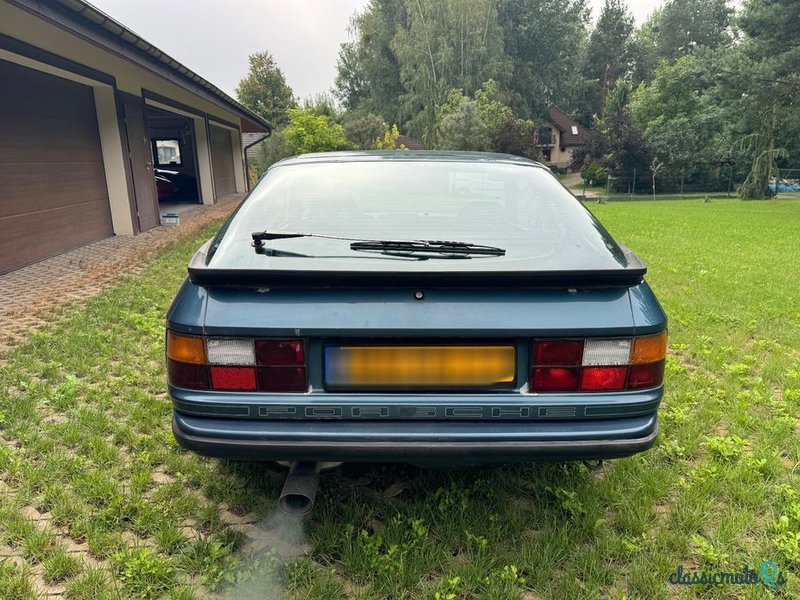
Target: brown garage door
x: 222, y: 161
x: 53, y: 193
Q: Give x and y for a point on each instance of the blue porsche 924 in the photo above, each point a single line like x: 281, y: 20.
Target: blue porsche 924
x: 421, y: 307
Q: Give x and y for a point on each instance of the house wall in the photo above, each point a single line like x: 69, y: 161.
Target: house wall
x: 18, y: 23
x: 562, y: 158
x: 559, y: 157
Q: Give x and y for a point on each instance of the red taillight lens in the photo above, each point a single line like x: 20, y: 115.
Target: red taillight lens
x: 282, y: 365
x: 558, y: 353
x: 555, y: 379
x: 234, y: 379
x: 187, y: 375
x: 598, y: 364
x: 282, y: 379
x: 280, y: 352
x: 645, y: 376
x: 596, y: 379
x: 224, y: 364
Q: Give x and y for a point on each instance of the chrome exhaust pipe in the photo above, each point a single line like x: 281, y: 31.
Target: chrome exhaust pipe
x: 300, y: 489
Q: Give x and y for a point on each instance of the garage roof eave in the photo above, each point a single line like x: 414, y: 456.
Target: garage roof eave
x: 86, y: 20
x: 250, y: 126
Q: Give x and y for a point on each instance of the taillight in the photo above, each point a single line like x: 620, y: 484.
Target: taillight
x: 556, y: 379
x: 280, y: 352
x: 234, y: 379
x: 236, y: 364
x: 558, y: 353
x: 598, y: 365
x: 187, y: 376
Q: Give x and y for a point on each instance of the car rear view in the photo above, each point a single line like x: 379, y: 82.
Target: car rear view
x: 431, y: 308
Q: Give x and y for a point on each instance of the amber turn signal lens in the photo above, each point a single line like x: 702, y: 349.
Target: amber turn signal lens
x: 649, y: 349
x: 185, y: 349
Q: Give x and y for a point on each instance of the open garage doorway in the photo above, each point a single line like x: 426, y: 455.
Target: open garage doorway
x: 172, y: 142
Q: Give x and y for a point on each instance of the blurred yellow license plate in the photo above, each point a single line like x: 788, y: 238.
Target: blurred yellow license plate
x: 419, y: 366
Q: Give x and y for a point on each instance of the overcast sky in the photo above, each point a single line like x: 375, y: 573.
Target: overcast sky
x: 214, y: 38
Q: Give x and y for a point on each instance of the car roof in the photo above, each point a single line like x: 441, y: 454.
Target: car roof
x: 403, y: 155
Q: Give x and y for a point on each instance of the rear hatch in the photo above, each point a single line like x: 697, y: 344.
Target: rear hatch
x: 364, y: 325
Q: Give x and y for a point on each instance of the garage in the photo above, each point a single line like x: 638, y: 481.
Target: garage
x: 53, y: 193
x: 174, y: 151
x: 222, y: 161
x: 102, y: 134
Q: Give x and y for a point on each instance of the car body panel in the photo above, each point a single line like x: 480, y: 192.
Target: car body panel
x: 396, y: 312
x: 512, y: 405
x: 431, y: 443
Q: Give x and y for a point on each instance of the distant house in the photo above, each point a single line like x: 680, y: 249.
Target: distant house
x: 408, y: 142
x: 559, y: 137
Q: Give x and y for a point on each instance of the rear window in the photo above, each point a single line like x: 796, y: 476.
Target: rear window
x: 523, y: 209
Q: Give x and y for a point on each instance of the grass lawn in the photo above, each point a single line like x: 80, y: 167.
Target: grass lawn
x: 99, y: 502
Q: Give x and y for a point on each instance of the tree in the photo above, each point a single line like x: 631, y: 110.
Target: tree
x: 757, y: 83
x: 545, y: 42
x: 389, y: 140
x: 368, y: 71
x: 677, y: 119
x: 674, y: 143
x: 271, y: 150
x: 351, y: 86
x: 676, y: 90
x: 515, y: 136
x: 264, y: 89
x: 683, y: 26
x: 323, y: 103
x: 362, y: 131
x: 462, y: 129
x: 608, y: 56
x: 492, y: 111
x: 617, y: 144
x: 447, y: 44
x: 765, y: 161
x: 644, y: 53
x: 628, y: 152
x: 309, y: 132
x: 655, y: 167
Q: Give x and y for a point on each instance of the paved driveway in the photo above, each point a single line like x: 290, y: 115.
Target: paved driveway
x: 31, y: 295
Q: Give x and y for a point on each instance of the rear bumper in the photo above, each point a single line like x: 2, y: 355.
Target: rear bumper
x: 463, y: 442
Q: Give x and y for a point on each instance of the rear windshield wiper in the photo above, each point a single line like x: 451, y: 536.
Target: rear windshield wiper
x: 394, y: 247
x: 426, y: 246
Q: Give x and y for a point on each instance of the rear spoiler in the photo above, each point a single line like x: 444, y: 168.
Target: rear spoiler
x: 630, y: 275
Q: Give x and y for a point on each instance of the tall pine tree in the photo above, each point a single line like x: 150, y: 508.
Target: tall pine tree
x: 608, y: 55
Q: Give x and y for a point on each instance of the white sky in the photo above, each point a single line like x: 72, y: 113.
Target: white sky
x: 214, y: 38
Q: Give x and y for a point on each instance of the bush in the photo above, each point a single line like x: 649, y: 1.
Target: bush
x: 594, y: 174
x: 463, y: 129
x: 306, y: 132
x: 389, y: 140
x: 363, y: 131
x: 309, y: 132
x: 514, y: 136
x: 270, y: 151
